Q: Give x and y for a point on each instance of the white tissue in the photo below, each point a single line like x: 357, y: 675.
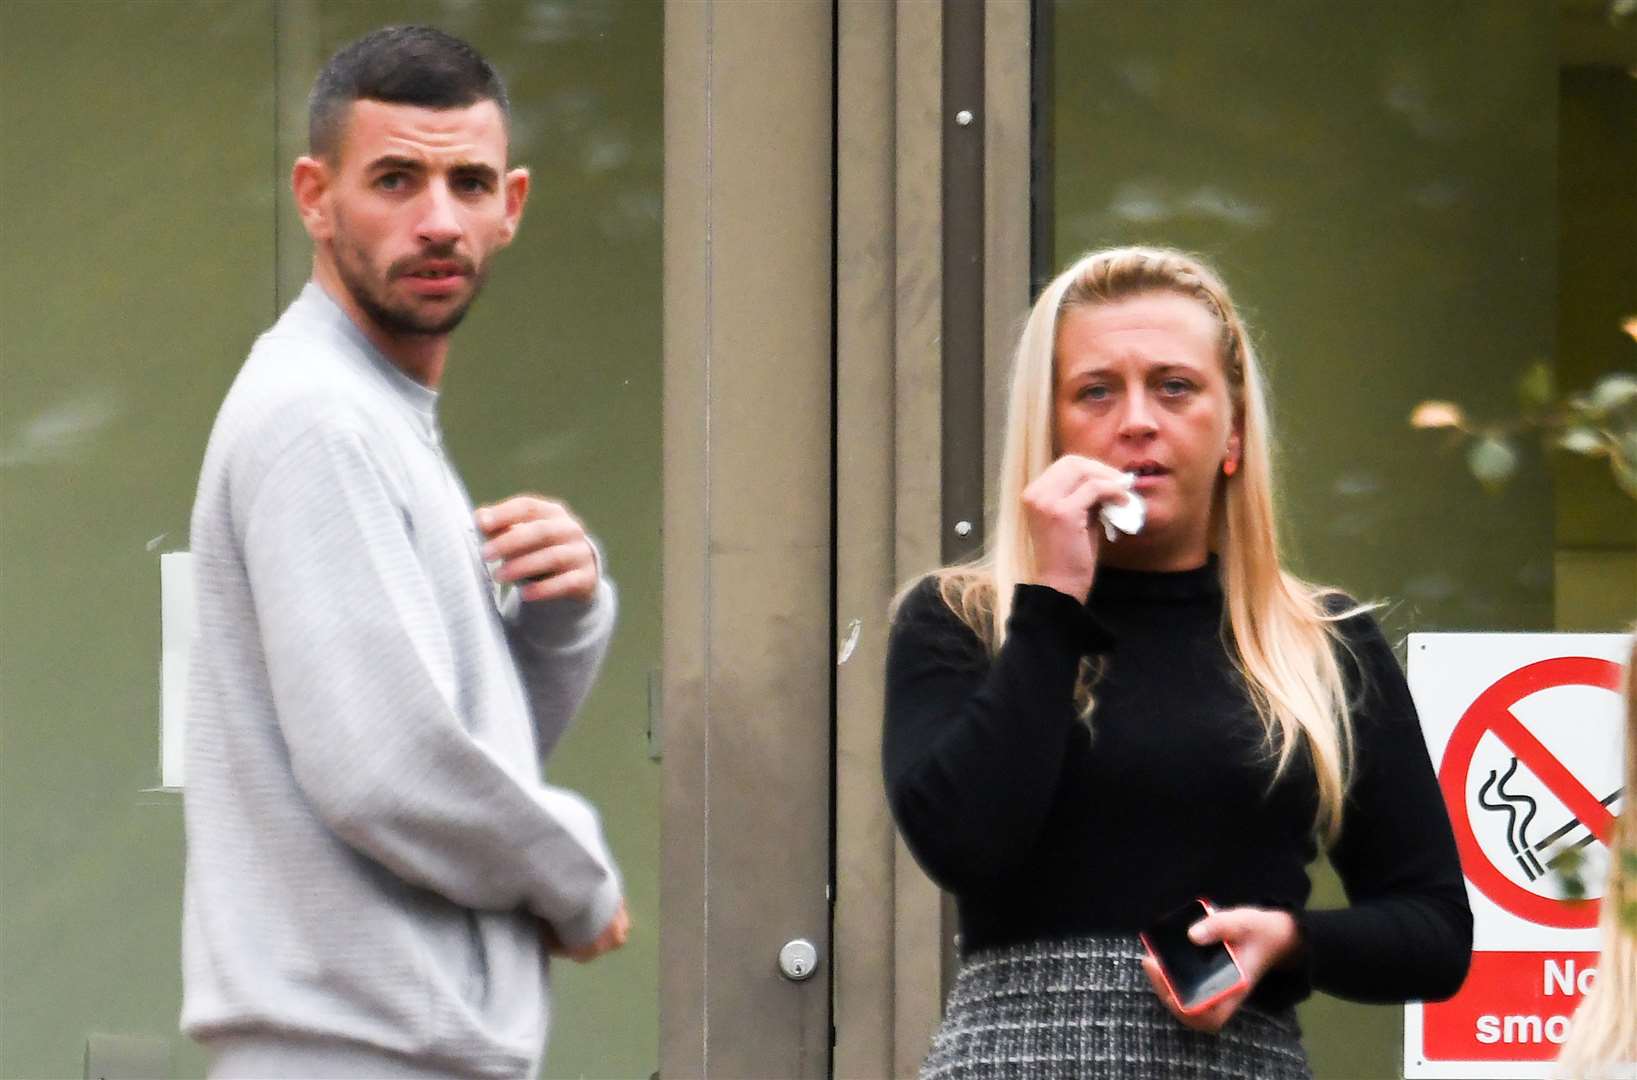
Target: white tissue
x: 1126, y: 517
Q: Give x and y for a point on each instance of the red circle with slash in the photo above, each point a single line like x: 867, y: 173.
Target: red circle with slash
x: 1491, y: 713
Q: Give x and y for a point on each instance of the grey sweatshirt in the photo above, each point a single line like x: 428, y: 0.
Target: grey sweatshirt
x: 371, y: 848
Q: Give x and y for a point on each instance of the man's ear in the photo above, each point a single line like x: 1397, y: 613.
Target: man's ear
x: 310, y: 180
x: 516, y: 189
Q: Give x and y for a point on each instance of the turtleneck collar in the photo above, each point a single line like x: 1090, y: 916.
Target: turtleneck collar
x: 1201, y: 583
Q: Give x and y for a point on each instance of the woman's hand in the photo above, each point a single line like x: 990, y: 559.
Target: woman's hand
x: 1059, y: 506
x: 1261, y: 940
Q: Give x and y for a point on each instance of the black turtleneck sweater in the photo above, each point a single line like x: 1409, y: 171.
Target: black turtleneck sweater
x: 1043, y: 829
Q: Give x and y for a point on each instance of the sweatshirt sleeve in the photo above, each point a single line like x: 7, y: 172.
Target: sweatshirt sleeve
x: 559, y: 646
x: 972, y: 749
x: 363, y: 681
x: 1406, y: 933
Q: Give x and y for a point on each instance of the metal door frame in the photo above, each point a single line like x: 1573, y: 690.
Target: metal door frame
x: 905, y: 73
x: 747, y: 550
x: 810, y: 150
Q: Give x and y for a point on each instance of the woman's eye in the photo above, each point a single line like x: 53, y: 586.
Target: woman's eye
x: 1175, y: 387
x: 1095, y: 392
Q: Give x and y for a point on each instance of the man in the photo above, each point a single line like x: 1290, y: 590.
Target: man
x: 375, y: 869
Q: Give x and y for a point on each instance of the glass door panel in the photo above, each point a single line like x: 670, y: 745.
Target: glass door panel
x: 553, y: 386
x: 136, y: 169
x: 1411, y: 202
x: 144, y: 159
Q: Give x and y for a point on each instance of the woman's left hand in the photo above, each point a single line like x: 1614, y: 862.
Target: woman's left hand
x: 1261, y: 939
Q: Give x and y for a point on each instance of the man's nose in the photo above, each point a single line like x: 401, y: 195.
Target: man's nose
x: 440, y: 218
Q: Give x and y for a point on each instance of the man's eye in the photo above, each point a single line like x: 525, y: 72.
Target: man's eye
x: 390, y: 181
x: 472, y: 185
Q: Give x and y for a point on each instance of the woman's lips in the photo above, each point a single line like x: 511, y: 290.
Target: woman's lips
x: 1149, y: 481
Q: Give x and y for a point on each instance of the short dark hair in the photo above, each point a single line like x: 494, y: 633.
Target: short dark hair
x: 400, y: 65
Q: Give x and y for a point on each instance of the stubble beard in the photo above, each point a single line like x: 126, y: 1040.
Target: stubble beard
x: 369, y: 291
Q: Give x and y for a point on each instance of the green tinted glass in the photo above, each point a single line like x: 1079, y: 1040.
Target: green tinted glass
x: 144, y: 156
x: 1409, y: 202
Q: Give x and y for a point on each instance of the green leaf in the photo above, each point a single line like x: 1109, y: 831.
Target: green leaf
x: 1625, y: 474
x: 1566, y: 866
x: 1628, y: 864
x: 1582, y: 440
x: 1493, y: 461
x: 1628, y: 914
x: 1614, y: 392
x: 1537, y: 386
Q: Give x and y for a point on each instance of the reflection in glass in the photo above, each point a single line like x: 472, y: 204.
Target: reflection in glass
x: 144, y: 153
x: 1416, y: 202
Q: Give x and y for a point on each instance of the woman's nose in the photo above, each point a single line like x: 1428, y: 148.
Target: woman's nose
x: 1137, y: 416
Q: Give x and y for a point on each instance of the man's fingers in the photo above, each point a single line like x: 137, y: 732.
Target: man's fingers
x: 519, y: 508
x: 545, y: 561
x: 579, y: 583
x: 528, y: 535
x: 612, y: 937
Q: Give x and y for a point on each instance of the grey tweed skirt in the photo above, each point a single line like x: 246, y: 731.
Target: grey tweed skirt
x: 1081, y: 1008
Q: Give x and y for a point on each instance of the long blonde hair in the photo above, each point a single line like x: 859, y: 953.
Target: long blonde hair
x: 1603, y: 1035
x: 1279, y: 632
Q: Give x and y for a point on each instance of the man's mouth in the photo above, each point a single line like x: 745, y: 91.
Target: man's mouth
x: 436, y: 273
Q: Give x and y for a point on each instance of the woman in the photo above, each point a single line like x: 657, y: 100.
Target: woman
x: 1603, y: 1038
x: 1083, y: 735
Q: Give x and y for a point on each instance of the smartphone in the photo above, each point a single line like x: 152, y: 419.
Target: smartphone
x: 1198, y: 975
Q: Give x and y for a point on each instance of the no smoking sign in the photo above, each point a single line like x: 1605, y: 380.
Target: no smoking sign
x: 1517, y: 802
x: 1525, y: 732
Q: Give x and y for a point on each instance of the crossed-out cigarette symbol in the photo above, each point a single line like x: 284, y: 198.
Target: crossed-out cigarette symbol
x: 1520, y: 812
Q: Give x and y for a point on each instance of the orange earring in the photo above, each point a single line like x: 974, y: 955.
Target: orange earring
x: 1230, y: 466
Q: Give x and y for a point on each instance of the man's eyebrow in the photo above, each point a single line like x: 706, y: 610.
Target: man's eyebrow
x: 476, y: 168
x: 399, y: 163
x: 393, y: 161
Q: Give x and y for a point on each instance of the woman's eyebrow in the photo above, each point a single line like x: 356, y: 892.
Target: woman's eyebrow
x: 1085, y: 371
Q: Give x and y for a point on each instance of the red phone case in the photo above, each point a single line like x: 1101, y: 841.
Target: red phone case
x: 1165, y: 976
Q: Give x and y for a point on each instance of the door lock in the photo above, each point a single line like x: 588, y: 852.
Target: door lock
x: 798, y: 960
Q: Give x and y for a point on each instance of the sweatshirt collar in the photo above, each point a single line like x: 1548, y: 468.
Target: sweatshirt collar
x: 318, y: 310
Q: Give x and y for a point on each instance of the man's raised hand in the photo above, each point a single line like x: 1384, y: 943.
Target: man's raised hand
x: 541, y: 545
